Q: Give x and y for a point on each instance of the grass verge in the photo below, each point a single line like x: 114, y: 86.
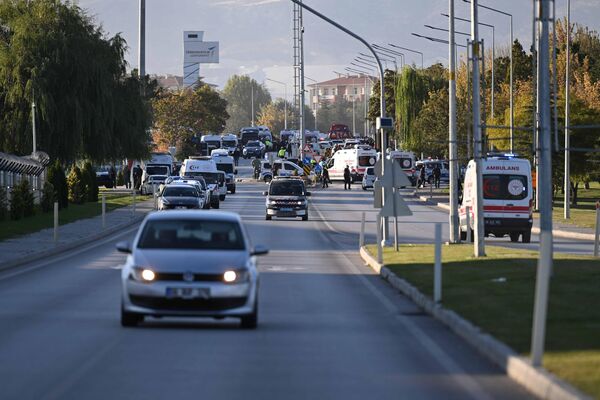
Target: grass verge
x: 39, y: 221
x: 496, y: 293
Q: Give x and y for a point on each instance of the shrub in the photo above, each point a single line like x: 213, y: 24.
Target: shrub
x: 120, y: 179
x: 56, y: 176
x: 48, y: 197
x: 88, y: 177
x: 76, y: 186
x: 21, y: 204
x: 3, y: 204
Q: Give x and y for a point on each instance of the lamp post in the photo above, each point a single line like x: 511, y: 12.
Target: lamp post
x: 454, y: 222
x: 284, y: 100
x: 567, y: 182
x: 512, y: 109
x: 407, y: 49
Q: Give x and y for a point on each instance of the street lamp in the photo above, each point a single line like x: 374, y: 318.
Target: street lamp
x: 493, y: 52
x: 443, y: 41
x: 284, y: 100
x: 407, y: 49
x: 567, y: 181
x: 512, y: 110
x: 390, y: 53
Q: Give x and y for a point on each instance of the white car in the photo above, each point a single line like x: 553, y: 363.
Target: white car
x: 190, y: 264
x: 368, y: 178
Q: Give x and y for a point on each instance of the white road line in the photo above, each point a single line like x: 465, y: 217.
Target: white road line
x: 472, y: 387
x: 69, y: 254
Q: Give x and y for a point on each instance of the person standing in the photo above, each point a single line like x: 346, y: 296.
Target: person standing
x: 325, y: 178
x: 347, y: 178
x: 437, y: 174
x: 281, y: 153
x: 422, y: 177
x: 236, y: 156
x: 126, y: 176
x: 256, y: 166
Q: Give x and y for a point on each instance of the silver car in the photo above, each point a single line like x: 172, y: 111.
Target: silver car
x: 368, y: 178
x: 190, y: 263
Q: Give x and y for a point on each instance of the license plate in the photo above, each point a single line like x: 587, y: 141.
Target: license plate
x: 493, y: 222
x: 286, y: 209
x: 180, y: 207
x: 188, y: 293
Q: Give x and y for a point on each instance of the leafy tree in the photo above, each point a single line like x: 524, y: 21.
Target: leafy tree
x: 56, y: 176
x: 76, y: 186
x: 238, y: 93
x: 47, y: 203
x: 3, y: 204
x: 178, y: 116
x: 22, y: 203
x: 273, y: 116
x: 341, y: 112
x: 88, y: 177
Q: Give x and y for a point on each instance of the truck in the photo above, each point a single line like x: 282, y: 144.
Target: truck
x: 339, y: 131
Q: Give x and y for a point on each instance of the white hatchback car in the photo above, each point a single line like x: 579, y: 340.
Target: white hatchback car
x: 190, y: 263
x: 368, y: 178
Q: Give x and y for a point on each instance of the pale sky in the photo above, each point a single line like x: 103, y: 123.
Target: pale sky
x: 256, y: 35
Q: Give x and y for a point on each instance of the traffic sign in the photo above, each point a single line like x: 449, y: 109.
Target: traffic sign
x: 394, y: 205
x: 377, y: 195
x: 394, y: 174
x: 384, y: 123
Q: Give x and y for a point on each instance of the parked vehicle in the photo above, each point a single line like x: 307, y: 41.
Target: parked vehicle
x: 104, y: 176
x: 286, y: 168
x: 152, y: 183
x: 212, y: 142
x: 248, y: 134
x: 180, y: 196
x: 229, y: 142
x: 357, y: 159
x: 190, y: 264
x: 226, y: 164
x: 287, y: 197
x: 205, y: 167
x: 266, y: 171
x: 160, y: 163
x: 407, y: 162
x: 430, y: 165
x: 199, y: 183
x: 339, y: 131
x: 507, y: 198
x: 368, y: 178
x: 254, y: 148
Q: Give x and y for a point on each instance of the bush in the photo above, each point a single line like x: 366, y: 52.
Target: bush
x: 120, y: 179
x: 3, y: 204
x: 21, y: 204
x: 56, y: 176
x: 48, y: 197
x: 76, y: 186
x: 88, y: 177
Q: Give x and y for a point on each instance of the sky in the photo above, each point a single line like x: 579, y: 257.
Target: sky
x: 256, y: 35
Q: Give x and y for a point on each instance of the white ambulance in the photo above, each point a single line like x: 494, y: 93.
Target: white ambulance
x: 207, y: 168
x: 407, y: 161
x: 357, y: 159
x: 507, y: 198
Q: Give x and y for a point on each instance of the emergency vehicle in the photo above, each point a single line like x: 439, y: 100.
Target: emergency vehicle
x: 357, y: 159
x: 226, y: 164
x: 229, y: 142
x: 207, y: 168
x: 406, y: 159
x: 507, y: 198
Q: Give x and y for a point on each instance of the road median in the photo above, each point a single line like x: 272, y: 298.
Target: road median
x: 489, y: 302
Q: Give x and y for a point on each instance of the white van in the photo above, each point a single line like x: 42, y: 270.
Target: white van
x: 226, y: 164
x: 229, y: 142
x: 358, y: 159
x: 407, y: 161
x: 212, y: 141
x: 286, y: 168
x: 507, y: 198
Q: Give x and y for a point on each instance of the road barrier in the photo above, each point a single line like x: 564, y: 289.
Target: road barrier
x: 437, y: 269
x: 55, y: 222
x: 361, y: 239
x: 597, y: 233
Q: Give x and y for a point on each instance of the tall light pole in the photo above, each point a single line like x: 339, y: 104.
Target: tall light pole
x: 452, y: 151
x: 567, y: 182
x: 252, y: 103
x: 142, y: 40
x: 512, y: 108
x: 411, y: 50
x: 544, y: 265
x: 479, y: 245
x: 284, y: 100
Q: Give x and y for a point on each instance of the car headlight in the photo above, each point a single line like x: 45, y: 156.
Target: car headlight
x: 164, y: 201
x: 300, y: 202
x: 235, y: 276
x: 272, y: 202
x: 142, y: 274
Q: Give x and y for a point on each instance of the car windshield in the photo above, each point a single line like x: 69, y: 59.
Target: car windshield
x: 366, y: 161
x: 229, y: 143
x: 179, y: 191
x: 198, y: 179
x: 212, y: 177
x: 504, y: 187
x: 287, y: 188
x: 192, y: 234
x: 227, y: 168
x: 370, y: 171
x: 252, y: 144
x: 157, y: 170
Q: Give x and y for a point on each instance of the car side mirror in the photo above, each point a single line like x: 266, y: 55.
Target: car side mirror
x: 308, y: 194
x: 124, y: 247
x: 265, y: 193
x: 259, y: 251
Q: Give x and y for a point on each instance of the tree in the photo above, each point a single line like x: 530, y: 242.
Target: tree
x: 22, y: 204
x: 88, y: 178
x: 48, y: 199
x: 56, y: 176
x: 76, y: 186
x: 179, y: 116
x: 51, y: 52
x: 238, y: 93
x: 273, y: 116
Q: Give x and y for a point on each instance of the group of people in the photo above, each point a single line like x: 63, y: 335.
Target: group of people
x: 436, y: 174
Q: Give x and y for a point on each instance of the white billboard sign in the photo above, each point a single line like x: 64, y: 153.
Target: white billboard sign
x: 201, y: 53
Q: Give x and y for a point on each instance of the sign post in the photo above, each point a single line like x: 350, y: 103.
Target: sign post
x: 597, y: 236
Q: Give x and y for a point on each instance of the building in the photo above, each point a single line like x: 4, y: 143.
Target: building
x: 349, y: 87
x: 174, y: 83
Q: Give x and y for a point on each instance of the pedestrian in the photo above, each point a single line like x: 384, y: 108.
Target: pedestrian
x: 126, y: 176
x: 281, y: 153
x: 113, y: 176
x: 137, y: 177
x: 325, y: 178
x: 256, y: 166
x: 437, y: 173
x: 421, y: 182
x: 347, y: 178
x: 236, y: 156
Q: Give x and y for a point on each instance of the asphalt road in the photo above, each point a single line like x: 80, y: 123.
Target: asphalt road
x: 329, y: 328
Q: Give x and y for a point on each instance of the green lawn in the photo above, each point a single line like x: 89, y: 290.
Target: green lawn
x: 496, y: 293
x: 584, y: 213
x: 9, y: 228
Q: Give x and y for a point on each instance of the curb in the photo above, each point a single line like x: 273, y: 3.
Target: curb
x: 74, y: 244
x: 537, y: 380
x: 535, y: 230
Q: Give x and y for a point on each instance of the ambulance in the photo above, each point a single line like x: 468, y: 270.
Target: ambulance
x: 357, y: 159
x: 406, y: 159
x: 507, y: 198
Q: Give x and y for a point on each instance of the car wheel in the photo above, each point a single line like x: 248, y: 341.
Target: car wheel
x: 526, y: 237
x: 250, y: 321
x: 305, y: 217
x: 130, y: 319
x: 514, y: 236
x: 268, y: 178
x: 216, y: 205
x: 222, y: 197
x: 463, y: 235
x: 364, y: 187
x: 268, y: 217
x: 233, y: 190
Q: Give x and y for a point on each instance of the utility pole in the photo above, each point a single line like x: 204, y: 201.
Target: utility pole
x: 567, y: 183
x: 302, y: 101
x: 479, y: 246
x: 251, y: 102
x: 452, y: 151
x: 142, y: 40
x: 544, y: 265
x: 34, y: 133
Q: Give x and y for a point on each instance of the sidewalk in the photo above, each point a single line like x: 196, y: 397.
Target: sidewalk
x: 560, y: 229
x: 38, y: 245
